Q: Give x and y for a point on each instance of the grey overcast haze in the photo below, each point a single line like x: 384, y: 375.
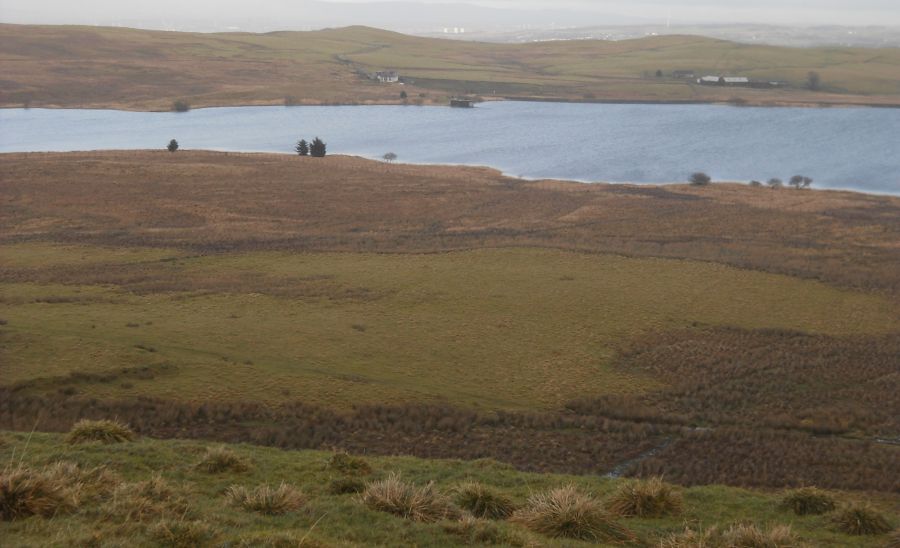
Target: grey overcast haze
x: 422, y: 15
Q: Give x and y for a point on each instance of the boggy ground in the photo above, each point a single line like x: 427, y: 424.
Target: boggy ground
x: 454, y: 312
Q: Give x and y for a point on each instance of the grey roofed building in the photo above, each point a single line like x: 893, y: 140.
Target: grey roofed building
x: 387, y: 77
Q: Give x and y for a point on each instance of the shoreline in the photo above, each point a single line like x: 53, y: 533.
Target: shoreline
x: 736, y: 102
x: 451, y: 166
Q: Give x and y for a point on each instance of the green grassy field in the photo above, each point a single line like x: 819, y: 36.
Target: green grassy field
x: 137, y: 69
x: 492, y: 328
x: 131, y: 512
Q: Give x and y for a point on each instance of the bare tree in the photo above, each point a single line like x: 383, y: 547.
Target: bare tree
x: 775, y: 182
x: 389, y: 157
x: 800, y: 181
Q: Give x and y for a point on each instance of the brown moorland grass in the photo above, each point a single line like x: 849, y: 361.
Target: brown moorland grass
x: 139, y: 69
x: 756, y: 394
x: 769, y: 378
x: 529, y: 441
x: 200, y: 202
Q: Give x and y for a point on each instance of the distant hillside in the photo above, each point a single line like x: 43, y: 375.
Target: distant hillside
x: 149, y: 70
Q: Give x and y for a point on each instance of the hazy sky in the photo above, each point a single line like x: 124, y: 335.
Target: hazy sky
x: 292, y: 13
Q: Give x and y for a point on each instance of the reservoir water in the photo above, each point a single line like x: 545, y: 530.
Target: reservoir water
x: 845, y: 148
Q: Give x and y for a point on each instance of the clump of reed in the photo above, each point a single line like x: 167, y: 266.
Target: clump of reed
x: 475, y: 531
x: 808, y: 501
x: 51, y: 489
x: 221, y: 459
x: 347, y: 464
x: 142, y: 501
x: 28, y: 492
x: 179, y: 533
x: 483, y: 501
x: 265, y: 499
x: 394, y: 496
x: 566, y: 512
x: 102, y: 431
x: 860, y: 519
x: 650, y: 498
x: 346, y: 486
x: 278, y: 539
x: 743, y: 535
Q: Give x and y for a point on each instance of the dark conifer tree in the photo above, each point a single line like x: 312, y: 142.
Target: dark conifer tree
x: 317, y: 148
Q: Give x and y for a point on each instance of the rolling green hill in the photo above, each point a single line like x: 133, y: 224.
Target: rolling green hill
x: 138, y: 69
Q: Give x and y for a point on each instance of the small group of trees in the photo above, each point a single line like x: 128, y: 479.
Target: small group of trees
x: 800, y: 181
x: 797, y: 181
x: 317, y: 148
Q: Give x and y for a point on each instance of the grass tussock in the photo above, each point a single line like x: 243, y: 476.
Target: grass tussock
x: 277, y: 539
x: 348, y: 465
x: 26, y: 492
x: 394, y: 496
x: 267, y: 500
x: 735, y: 536
x: 808, y: 501
x: 103, y: 431
x: 181, y: 533
x: 566, y: 512
x: 474, y: 531
x: 860, y: 519
x: 346, y: 486
x: 144, y: 501
x: 650, y: 498
x: 483, y: 501
x: 221, y: 459
x: 48, y: 490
